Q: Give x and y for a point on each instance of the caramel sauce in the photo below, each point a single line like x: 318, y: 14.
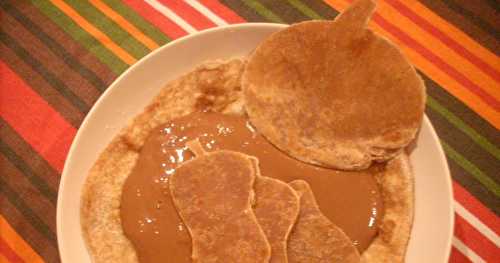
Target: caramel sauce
x: 349, y: 199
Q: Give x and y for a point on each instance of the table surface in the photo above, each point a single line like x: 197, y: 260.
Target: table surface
x: 57, y: 57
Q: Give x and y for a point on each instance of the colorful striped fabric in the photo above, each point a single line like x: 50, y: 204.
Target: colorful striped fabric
x: 57, y: 57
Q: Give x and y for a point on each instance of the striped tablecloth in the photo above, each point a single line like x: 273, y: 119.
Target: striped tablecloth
x: 58, y: 56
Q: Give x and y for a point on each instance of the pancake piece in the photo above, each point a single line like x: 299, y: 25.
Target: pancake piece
x: 396, y: 183
x: 276, y: 209
x: 315, y: 238
x: 213, y: 196
x: 334, y: 93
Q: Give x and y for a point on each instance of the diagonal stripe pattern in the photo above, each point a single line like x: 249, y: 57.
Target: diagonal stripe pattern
x: 95, y: 41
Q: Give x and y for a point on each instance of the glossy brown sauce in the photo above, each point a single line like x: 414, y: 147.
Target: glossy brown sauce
x: 349, y: 199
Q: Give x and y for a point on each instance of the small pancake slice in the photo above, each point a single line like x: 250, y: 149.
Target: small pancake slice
x: 276, y: 209
x: 334, y: 93
x: 213, y: 196
x: 315, y: 238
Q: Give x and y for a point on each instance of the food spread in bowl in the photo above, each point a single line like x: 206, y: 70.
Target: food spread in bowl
x: 292, y: 154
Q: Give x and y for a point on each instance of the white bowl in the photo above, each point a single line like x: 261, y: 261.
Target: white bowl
x: 132, y: 91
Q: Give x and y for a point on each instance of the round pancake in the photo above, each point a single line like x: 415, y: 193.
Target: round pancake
x: 100, y: 201
x: 333, y: 93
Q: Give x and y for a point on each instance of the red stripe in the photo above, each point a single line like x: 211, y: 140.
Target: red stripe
x: 188, y: 13
x: 223, y: 11
x: 457, y: 257
x: 474, y: 206
x: 34, y: 119
x: 471, y: 237
x: 445, y: 67
x: 451, y: 43
x: 8, y: 253
x: 162, y: 22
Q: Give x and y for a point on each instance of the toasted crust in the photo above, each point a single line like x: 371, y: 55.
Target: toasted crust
x: 211, y: 86
x: 396, y: 183
x: 100, y: 205
x: 334, y: 93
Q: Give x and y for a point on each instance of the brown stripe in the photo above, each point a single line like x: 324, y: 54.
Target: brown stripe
x: 27, y: 159
x: 493, y: 4
x: 468, y: 23
x: 463, y: 144
x: 242, y: 10
x: 285, y: 11
x: 30, y: 215
x: 71, y: 79
x: 478, y: 190
x: 46, y: 248
x: 72, y: 47
x: 49, y: 76
x: 54, y: 46
x: 320, y: 7
x: 61, y: 104
x: 479, y: 9
x: 460, y: 110
x: 33, y: 198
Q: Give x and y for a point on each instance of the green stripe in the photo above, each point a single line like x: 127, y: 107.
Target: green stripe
x: 457, y: 158
x: 44, y: 72
x: 431, y: 102
x: 450, y: 117
x: 490, y: 184
x: 81, y: 36
x: 131, y: 16
x: 263, y: 11
x: 109, y: 28
x: 56, y: 47
x: 457, y: 122
x: 461, y: 110
x: 305, y: 9
x: 38, y: 182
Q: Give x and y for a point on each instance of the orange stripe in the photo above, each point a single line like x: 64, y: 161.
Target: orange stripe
x: 17, y: 243
x: 101, y: 37
x: 441, y: 50
x: 338, y: 5
x: 467, y: 42
x: 451, y: 85
x: 122, y: 22
x: 444, y: 80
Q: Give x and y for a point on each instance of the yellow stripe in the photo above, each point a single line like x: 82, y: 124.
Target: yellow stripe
x: 441, y: 50
x: 445, y: 81
x: 101, y: 37
x: 17, y: 243
x: 123, y: 23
